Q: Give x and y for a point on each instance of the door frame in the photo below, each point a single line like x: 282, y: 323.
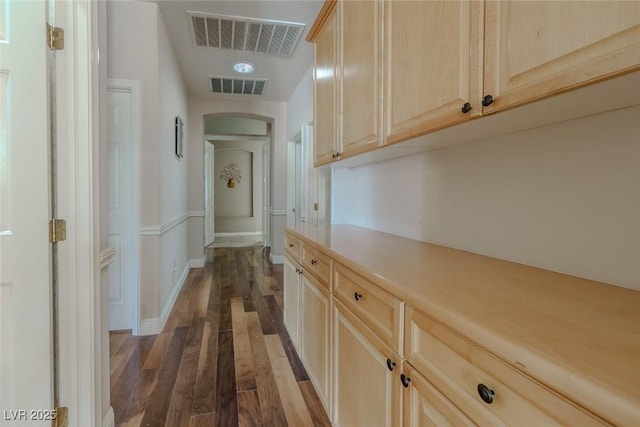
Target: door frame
x: 82, y: 328
x: 133, y: 87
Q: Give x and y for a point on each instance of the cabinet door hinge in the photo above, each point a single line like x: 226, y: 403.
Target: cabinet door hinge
x: 55, y: 38
x: 62, y: 417
x: 57, y: 230
x: 315, y: 206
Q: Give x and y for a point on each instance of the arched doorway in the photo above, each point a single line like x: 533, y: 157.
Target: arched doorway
x: 237, y: 213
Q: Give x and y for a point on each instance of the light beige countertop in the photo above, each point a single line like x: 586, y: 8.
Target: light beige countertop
x: 581, y: 336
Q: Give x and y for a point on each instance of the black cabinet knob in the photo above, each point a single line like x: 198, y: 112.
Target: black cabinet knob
x: 313, y: 261
x: 466, y: 108
x: 487, y: 100
x: 390, y: 364
x: 357, y: 296
x: 291, y: 245
x: 405, y: 380
x: 486, y: 394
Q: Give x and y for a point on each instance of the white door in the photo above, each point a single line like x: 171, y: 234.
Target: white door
x: 120, y: 205
x: 26, y: 360
x: 209, y: 200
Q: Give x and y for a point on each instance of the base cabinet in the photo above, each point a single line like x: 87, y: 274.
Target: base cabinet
x: 315, y: 337
x: 366, y: 391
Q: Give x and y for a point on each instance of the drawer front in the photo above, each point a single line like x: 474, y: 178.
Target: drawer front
x: 292, y: 246
x: 317, y: 264
x: 379, y: 310
x: 462, y: 370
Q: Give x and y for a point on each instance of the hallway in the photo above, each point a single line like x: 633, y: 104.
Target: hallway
x: 223, y: 358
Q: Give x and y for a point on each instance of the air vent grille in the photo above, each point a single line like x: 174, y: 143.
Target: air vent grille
x: 232, y: 85
x: 245, y: 34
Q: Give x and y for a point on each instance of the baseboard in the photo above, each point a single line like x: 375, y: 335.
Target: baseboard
x: 241, y: 233
x: 155, y: 325
x: 109, y: 419
x: 197, y: 263
x: 276, y: 259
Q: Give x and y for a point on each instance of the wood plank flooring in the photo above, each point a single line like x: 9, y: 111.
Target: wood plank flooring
x: 224, y: 357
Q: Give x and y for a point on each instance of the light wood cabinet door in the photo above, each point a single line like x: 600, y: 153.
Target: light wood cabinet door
x: 425, y: 406
x: 315, y: 335
x: 291, y: 291
x: 360, y: 82
x: 534, y: 49
x: 434, y: 65
x: 325, y: 92
x: 366, y: 392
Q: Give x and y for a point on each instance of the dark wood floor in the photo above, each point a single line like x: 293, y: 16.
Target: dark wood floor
x: 223, y: 358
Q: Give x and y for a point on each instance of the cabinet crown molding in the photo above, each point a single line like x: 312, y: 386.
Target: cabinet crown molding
x: 323, y: 15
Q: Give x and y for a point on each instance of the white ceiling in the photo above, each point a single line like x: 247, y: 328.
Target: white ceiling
x: 197, y: 63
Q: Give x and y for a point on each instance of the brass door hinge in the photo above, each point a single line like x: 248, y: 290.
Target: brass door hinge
x: 55, y: 37
x: 62, y: 417
x: 57, y: 230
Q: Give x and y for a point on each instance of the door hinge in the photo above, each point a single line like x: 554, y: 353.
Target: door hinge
x: 315, y: 206
x: 57, y: 230
x: 62, y: 417
x: 55, y: 37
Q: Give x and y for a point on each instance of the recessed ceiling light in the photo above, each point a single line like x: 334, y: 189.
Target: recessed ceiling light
x: 244, y: 67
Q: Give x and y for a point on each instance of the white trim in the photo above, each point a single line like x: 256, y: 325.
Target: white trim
x: 276, y: 259
x: 155, y: 325
x: 133, y: 87
x: 81, y: 329
x: 197, y: 263
x: 109, y: 418
x: 158, y: 230
x: 107, y: 257
x: 278, y: 212
x: 241, y: 233
x: 193, y: 214
x: 154, y: 230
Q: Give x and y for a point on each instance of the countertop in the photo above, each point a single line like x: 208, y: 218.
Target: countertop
x: 580, y: 335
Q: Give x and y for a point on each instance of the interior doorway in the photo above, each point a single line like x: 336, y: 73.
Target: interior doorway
x: 122, y: 130
x: 237, y: 180
x: 308, y: 187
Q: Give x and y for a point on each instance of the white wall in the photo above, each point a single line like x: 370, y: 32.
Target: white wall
x: 300, y: 105
x: 198, y: 108
x: 564, y: 197
x: 239, y: 209
x: 139, y: 49
x: 133, y: 54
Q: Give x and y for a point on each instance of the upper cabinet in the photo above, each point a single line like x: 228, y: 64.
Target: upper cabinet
x: 537, y: 49
x: 347, y: 79
x: 434, y: 65
x: 325, y: 89
x: 360, y: 75
x: 445, y: 62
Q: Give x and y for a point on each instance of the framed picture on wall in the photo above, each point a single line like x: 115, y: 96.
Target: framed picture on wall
x: 178, y: 144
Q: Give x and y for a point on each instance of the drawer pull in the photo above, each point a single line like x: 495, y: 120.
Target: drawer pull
x: 486, y: 394
x: 291, y: 245
x: 313, y: 261
x: 390, y: 364
x: 405, y: 380
x: 357, y: 296
x: 487, y: 100
x: 466, y: 108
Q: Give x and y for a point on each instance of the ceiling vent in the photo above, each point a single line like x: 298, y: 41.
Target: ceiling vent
x: 245, y: 34
x: 233, y: 85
